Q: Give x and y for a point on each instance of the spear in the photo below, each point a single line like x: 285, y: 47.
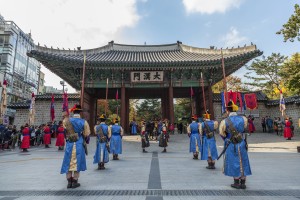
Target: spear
x: 203, y: 93
x: 82, y: 85
x: 224, y: 79
x: 106, y: 96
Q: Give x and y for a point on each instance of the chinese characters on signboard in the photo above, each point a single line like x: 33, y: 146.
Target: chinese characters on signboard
x: 147, y: 76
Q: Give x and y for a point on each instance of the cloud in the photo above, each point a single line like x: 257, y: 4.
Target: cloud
x: 72, y: 23
x: 233, y: 38
x: 210, y: 6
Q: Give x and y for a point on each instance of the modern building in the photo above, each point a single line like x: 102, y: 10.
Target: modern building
x: 51, y: 89
x: 20, y: 71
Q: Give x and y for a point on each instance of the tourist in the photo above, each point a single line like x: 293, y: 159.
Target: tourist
x: 26, y: 138
x: 251, y: 126
x: 77, y: 133
x: 60, y: 140
x: 193, y: 131
x: 279, y: 126
x: 163, y: 138
x: 232, y: 130
x: 116, y: 132
x: 263, y: 124
x: 287, y: 132
x: 47, y: 135
x: 269, y: 123
x: 144, y: 137
x: 133, y: 127
x: 102, y: 149
x: 209, y: 150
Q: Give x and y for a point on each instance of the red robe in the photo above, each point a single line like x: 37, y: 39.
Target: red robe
x: 287, y: 133
x: 26, y: 138
x: 251, y: 125
x: 60, y: 140
x: 47, y: 135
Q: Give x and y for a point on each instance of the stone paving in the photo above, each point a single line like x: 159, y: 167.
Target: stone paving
x: 154, y: 175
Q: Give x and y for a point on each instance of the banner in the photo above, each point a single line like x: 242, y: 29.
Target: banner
x: 65, y: 103
x: 281, y: 103
x: 251, y: 101
x: 52, y: 111
x: 3, y: 99
x: 117, y: 95
x: 147, y: 76
x: 32, y: 110
x: 192, y: 92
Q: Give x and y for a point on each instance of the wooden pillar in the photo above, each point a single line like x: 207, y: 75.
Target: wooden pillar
x: 210, y: 102
x: 126, y: 127
x: 163, y: 104
x: 171, y: 104
x: 89, y: 110
x: 123, y: 107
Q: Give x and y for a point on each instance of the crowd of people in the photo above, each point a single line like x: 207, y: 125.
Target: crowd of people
x: 281, y: 127
x: 73, y: 134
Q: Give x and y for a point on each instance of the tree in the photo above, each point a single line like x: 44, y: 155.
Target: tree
x: 291, y: 29
x: 149, y: 109
x: 182, y: 108
x: 267, y: 72
x: 234, y: 83
x: 291, y: 74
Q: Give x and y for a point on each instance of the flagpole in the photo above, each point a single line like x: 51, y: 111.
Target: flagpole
x: 203, y: 93
x: 224, y: 79
x: 117, y: 98
x: 192, y: 109
x: 106, y: 96
x: 82, y: 83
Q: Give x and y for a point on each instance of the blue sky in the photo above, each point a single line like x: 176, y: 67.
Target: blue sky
x: 200, y: 23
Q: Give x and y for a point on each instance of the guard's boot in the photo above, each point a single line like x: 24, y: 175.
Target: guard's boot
x: 195, y: 156
x: 208, y: 165
x: 102, y: 166
x: 114, y: 157
x: 212, y: 165
x: 144, y: 151
x: 47, y: 146
x: 236, y: 184
x: 117, y: 158
x: 25, y: 150
x: 69, y: 182
x: 99, y: 166
x: 164, y: 151
x: 243, y: 183
x: 75, y: 183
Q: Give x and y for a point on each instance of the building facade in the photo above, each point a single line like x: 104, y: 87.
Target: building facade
x: 20, y: 71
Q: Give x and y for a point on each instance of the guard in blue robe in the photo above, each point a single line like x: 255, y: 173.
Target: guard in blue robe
x: 101, y: 155
x: 209, y: 150
x: 236, y: 161
x: 77, y: 134
x: 194, y: 134
x: 116, y: 132
x: 133, y: 127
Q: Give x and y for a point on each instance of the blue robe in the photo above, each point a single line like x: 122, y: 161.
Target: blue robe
x: 78, y: 125
x: 194, y: 137
x: 116, y: 140
x: 236, y: 163
x: 208, y: 145
x: 101, y: 146
x: 133, y: 128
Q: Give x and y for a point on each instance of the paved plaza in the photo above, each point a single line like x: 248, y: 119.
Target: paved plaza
x: 154, y: 175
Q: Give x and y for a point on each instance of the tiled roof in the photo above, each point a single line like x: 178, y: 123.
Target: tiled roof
x: 260, y: 96
x: 43, y: 97
x: 57, y: 96
x: 169, y: 54
x: 288, y: 100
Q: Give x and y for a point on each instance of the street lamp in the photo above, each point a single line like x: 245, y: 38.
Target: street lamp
x: 63, y: 84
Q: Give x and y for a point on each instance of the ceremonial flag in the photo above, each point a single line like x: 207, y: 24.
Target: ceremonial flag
x: 117, y: 95
x: 32, y: 110
x: 251, y: 101
x: 3, y: 99
x: 281, y: 103
x: 65, y: 103
x: 52, y: 111
x: 192, y: 92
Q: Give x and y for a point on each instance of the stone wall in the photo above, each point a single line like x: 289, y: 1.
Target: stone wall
x: 42, y: 112
x: 292, y: 110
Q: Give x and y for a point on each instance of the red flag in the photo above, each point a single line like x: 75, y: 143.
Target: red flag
x: 52, y: 111
x: 117, y: 95
x: 250, y: 101
x: 192, y: 92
